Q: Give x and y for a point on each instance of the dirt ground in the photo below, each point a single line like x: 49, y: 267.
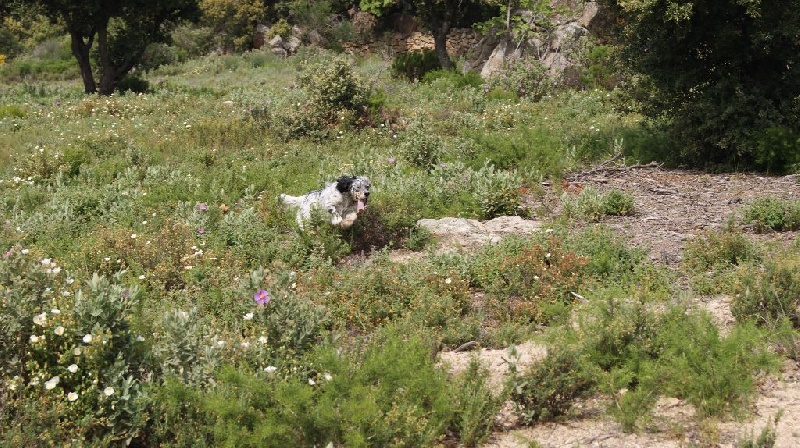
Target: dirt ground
x: 672, y: 206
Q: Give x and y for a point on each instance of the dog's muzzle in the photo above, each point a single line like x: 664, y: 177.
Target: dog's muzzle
x: 362, y: 202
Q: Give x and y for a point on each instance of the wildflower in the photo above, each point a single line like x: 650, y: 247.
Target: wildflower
x: 391, y: 160
x: 311, y: 382
x: 201, y: 231
x: 327, y: 376
x: 140, y: 338
x: 261, y: 297
x: 248, y: 316
x: 40, y: 319
x: 34, y: 339
x: 448, y: 280
x: 45, y: 262
x: 59, y: 331
x: 108, y: 391
x: 133, y: 236
x: 88, y: 338
x: 52, y: 383
x: 77, y: 351
x: 245, y: 345
x: 72, y: 368
x: 24, y: 251
x: 72, y: 396
x: 262, y: 339
x: 54, y: 270
x: 141, y: 277
x: 202, y: 207
x: 66, y: 293
x: 270, y: 369
x: 220, y: 344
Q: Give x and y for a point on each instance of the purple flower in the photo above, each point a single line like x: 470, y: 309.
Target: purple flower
x: 202, y: 207
x: 391, y: 160
x: 201, y: 230
x: 261, y: 297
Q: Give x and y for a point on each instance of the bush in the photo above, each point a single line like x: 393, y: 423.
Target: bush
x: 475, y: 405
x: 771, y: 213
x: 769, y: 294
x: 526, y: 78
x: 233, y: 21
x: 414, y: 65
x: 550, y: 388
x: 713, y: 258
x: 592, y: 205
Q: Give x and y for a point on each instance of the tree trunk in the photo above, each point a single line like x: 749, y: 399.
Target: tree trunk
x: 80, y: 50
x: 440, y: 46
x: 107, y: 72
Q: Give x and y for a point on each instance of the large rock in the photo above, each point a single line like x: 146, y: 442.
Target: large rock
x: 462, y: 233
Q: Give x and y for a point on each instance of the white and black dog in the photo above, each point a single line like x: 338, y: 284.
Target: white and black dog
x: 343, y: 199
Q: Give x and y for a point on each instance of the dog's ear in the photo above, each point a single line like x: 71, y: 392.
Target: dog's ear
x: 344, y: 183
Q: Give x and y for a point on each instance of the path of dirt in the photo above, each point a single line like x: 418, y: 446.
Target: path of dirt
x: 672, y: 206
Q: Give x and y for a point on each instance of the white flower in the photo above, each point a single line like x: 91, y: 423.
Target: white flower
x: 245, y: 345
x: 88, y: 338
x: 220, y: 344
x: 262, y: 339
x: 34, y: 338
x: 59, y: 331
x: 72, y: 396
x: 141, y: 277
x: 140, y: 338
x: 77, y: 351
x: 46, y: 262
x: 72, y: 368
x: 327, y: 376
x: 311, y: 382
x: 448, y: 280
x: 66, y: 293
x: 52, y: 383
x: 40, y: 319
x: 133, y: 236
x: 55, y: 270
x: 24, y: 251
x: 270, y: 369
x: 108, y: 391
x: 144, y: 223
x: 70, y: 281
x: 547, y: 255
x: 248, y: 316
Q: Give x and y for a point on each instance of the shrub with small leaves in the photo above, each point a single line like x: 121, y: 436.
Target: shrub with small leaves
x: 549, y: 388
x: 414, y: 65
x: 769, y: 294
x: 772, y: 213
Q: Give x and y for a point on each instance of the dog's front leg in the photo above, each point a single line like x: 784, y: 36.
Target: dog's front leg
x: 336, y: 218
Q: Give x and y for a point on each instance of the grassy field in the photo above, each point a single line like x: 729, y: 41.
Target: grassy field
x: 155, y: 291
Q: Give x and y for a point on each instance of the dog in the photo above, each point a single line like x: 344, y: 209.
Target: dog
x: 343, y: 199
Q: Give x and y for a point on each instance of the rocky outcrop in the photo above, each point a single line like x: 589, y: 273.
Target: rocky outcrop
x: 462, y: 233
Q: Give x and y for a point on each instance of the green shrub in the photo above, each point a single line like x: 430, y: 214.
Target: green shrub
x: 414, y: 65
x: 233, y: 21
x: 526, y: 78
x: 13, y: 110
x: 769, y: 294
x: 712, y: 260
x: 550, y: 388
x: 455, y: 79
x: 592, y: 205
x: 771, y: 213
x: 475, y: 405
x: 420, y: 146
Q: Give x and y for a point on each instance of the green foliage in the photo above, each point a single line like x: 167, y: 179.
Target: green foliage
x: 455, y: 79
x: 233, y: 21
x: 592, y: 205
x: 739, y: 117
x: 526, y: 78
x: 766, y: 438
x: 549, y: 388
x: 414, y: 65
x: 475, y: 405
x: 712, y: 260
x: 769, y: 294
x: 420, y: 147
x: 772, y: 213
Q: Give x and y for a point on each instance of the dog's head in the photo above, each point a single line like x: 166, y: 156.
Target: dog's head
x: 357, y: 187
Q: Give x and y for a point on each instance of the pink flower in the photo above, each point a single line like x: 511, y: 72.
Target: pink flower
x: 261, y: 297
x: 202, y: 207
x: 201, y: 231
x: 391, y: 159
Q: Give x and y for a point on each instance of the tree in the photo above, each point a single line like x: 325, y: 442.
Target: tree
x: 439, y: 15
x: 725, y: 76
x: 121, y: 28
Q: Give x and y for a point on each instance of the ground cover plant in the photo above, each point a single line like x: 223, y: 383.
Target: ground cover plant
x: 155, y: 292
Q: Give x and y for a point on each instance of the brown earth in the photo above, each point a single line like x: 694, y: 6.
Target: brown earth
x: 672, y: 206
